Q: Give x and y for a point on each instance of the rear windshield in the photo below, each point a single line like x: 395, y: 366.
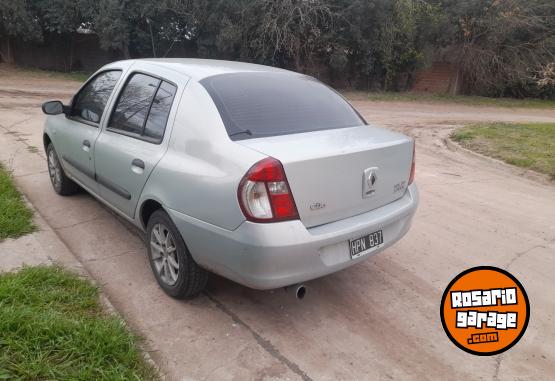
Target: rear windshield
x: 254, y: 105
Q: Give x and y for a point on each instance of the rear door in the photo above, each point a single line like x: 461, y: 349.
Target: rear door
x: 75, y: 135
x: 132, y: 143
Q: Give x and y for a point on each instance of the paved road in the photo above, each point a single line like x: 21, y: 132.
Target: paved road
x: 378, y: 320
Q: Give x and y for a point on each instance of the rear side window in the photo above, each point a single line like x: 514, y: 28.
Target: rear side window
x: 133, y: 103
x: 143, y: 107
x: 159, y: 112
x: 91, y: 100
x: 267, y: 104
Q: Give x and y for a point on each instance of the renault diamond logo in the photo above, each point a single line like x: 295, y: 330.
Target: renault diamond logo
x: 369, y: 178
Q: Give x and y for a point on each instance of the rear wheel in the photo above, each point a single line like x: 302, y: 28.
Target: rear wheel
x: 171, y: 262
x: 62, y: 184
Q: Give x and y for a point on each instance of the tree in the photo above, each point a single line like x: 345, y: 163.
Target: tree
x: 403, y: 39
x: 113, y: 21
x: 380, y: 42
x: 17, y: 19
x: 35, y: 20
x: 288, y: 32
x: 503, y: 47
x: 60, y: 16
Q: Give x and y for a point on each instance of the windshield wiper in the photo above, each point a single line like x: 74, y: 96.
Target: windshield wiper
x: 245, y: 131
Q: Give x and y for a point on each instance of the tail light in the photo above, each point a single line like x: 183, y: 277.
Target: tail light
x: 264, y: 193
x: 413, y: 166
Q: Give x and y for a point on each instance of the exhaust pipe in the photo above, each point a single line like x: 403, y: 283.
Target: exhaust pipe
x: 299, y: 290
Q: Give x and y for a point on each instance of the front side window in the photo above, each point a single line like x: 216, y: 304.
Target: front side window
x: 143, y: 107
x: 254, y: 105
x: 89, y: 104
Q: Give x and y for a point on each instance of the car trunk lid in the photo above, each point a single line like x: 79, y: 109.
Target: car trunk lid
x: 336, y: 174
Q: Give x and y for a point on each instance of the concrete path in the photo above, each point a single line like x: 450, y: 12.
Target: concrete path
x: 378, y: 320
x: 42, y: 247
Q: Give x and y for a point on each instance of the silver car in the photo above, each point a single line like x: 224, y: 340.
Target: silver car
x: 264, y: 176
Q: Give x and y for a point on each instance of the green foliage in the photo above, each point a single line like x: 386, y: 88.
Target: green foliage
x: 60, y: 16
x: 529, y: 145
x: 53, y: 328
x: 16, y: 219
x: 288, y: 32
x: 114, y: 20
x: 402, y: 38
x: 19, y: 18
x: 472, y: 100
x: 504, y: 47
x: 78, y: 76
x: 32, y: 19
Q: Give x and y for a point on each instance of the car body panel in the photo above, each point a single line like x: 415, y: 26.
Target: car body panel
x: 327, y: 167
x: 68, y: 137
x: 203, y: 165
x: 75, y: 138
x: 266, y: 256
x: 194, y: 174
x: 120, y: 181
x: 199, y: 68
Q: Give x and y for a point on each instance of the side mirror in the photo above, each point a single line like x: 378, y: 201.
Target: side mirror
x: 53, y: 108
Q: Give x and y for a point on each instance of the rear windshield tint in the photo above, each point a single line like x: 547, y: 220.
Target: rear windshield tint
x: 254, y: 105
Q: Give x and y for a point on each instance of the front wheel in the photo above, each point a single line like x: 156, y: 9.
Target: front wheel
x: 171, y: 262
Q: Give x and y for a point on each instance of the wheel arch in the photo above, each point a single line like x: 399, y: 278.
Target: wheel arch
x: 148, y: 206
x: 46, y: 140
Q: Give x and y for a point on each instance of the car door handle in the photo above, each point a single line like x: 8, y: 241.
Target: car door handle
x: 86, y: 145
x: 138, y: 163
x: 137, y: 166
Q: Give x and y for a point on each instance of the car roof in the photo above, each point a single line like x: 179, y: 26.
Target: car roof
x: 198, y: 69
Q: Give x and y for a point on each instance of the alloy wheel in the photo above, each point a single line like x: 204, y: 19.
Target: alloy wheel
x: 54, y: 169
x: 164, y: 254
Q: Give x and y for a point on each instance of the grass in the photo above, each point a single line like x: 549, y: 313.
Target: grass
x: 462, y: 99
x: 52, y: 327
x: 16, y: 219
x: 78, y: 76
x: 528, y: 145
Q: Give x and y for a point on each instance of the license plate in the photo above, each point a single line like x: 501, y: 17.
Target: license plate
x: 367, y: 242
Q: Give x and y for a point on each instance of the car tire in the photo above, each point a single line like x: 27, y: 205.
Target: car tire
x: 169, y: 253
x: 62, y: 184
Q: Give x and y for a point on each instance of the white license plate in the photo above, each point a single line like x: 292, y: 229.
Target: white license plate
x: 360, y: 245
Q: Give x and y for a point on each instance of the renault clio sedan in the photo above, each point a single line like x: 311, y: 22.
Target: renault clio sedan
x: 262, y: 175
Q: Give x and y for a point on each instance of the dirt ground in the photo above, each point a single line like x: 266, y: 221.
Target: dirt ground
x: 377, y: 320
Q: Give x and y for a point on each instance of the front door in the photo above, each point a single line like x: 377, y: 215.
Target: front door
x: 131, y: 145
x: 79, y: 131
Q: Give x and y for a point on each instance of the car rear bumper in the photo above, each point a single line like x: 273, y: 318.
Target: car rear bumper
x: 266, y: 256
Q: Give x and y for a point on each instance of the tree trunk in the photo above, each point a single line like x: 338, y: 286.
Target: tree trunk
x: 71, y: 51
x: 125, y: 48
x: 152, y: 38
x: 8, y: 56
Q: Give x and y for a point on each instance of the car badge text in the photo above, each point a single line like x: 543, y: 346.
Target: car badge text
x: 317, y: 205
